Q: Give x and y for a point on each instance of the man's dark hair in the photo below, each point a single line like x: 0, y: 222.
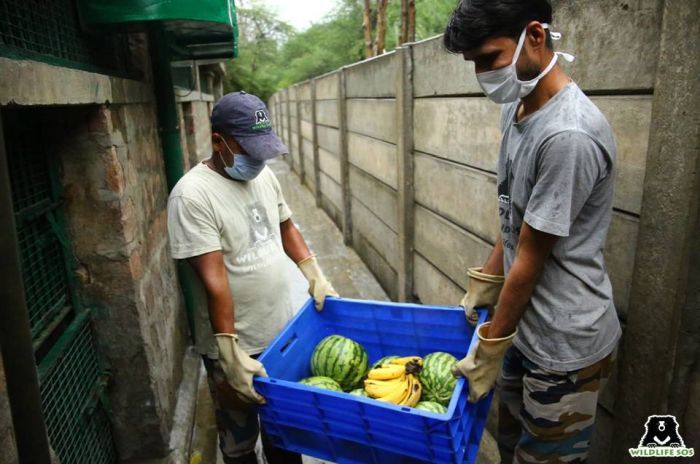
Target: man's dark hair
x: 474, y: 21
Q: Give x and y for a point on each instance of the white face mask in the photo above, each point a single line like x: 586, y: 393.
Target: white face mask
x: 503, y: 86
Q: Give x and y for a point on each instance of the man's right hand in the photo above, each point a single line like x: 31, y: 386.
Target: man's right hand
x: 482, y: 290
x: 239, y: 368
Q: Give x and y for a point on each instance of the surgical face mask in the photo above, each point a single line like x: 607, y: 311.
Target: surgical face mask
x: 503, y: 86
x: 244, y: 167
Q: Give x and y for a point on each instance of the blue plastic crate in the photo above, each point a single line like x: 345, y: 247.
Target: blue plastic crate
x: 344, y: 428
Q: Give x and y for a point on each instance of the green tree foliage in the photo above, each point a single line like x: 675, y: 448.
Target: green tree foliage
x: 272, y: 55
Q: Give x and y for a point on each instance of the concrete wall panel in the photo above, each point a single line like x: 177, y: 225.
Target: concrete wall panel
x: 305, y: 110
x: 450, y: 247
x: 329, y: 139
x: 331, y: 190
x: 374, y: 157
x: 382, y: 238
x: 630, y: 118
x: 307, y: 130
x: 376, y: 118
x: 385, y: 274
x: 463, y: 195
x: 465, y: 130
x: 372, y: 78
x: 620, y: 251
x: 327, y: 112
x: 304, y: 91
x: 327, y: 87
x: 431, y: 286
x: 329, y: 164
x: 376, y: 196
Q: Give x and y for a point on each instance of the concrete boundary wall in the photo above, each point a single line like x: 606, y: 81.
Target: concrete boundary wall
x: 406, y: 145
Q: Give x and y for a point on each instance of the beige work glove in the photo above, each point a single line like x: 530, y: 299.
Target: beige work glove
x: 319, y: 286
x: 482, y: 290
x: 239, y: 368
x: 483, y: 363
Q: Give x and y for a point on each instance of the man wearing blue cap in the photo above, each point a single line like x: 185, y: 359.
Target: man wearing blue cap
x: 227, y: 216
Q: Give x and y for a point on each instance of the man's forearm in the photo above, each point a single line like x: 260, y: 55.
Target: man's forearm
x: 514, y: 298
x: 293, y: 242
x: 494, y: 263
x: 221, y: 313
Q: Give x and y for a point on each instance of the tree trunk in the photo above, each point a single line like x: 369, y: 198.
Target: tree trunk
x: 411, y: 29
x: 367, y: 29
x: 404, y: 22
x: 381, y: 26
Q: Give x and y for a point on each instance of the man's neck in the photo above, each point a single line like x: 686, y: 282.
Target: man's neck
x: 546, y: 88
x: 215, y: 164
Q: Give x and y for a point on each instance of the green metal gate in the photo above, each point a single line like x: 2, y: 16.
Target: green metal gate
x: 72, y: 378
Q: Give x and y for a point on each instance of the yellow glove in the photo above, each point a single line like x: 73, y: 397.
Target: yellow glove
x: 319, y: 286
x: 239, y: 368
x: 482, y: 290
x: 483, y: 363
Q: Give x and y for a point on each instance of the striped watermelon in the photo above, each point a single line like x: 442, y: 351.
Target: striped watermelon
x: 379, y: 362
x: 321, y: 382
x: 436, y: 377
x: 341, y: 359
x: 359, y: 392
x: 431, y: 406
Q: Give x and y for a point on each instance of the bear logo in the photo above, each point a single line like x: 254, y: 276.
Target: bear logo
x: 260, y: 116
x: 661, y: 431
x: 260, y: 228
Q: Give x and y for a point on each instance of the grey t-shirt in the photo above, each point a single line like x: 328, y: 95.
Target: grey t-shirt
x: 555, y: 172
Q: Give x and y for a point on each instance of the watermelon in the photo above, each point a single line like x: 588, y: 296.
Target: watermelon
x: 436, y: 377
x: 379, y: 362
x: 359, y: 392
x: 431, y: 406
x: 321, y: 382
x: 341, y: 359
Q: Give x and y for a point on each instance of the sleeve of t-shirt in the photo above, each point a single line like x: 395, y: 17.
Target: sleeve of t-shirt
x: 569, y: 165
x: 283, y: 209
x: 191, y: 228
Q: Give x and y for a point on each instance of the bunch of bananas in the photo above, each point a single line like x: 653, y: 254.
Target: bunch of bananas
x: 396, y: 381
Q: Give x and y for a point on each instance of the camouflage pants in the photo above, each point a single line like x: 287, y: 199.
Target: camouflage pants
x: 238, y: 424
x: 547, y: 416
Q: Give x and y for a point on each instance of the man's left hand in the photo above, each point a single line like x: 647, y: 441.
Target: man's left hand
x: 319, y: 286
x: 483, y: 363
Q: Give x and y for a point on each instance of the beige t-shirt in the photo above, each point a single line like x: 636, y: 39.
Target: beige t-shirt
x: 207, y: 212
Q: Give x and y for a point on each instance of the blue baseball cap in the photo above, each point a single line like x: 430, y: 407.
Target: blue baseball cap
x: 245, y: 117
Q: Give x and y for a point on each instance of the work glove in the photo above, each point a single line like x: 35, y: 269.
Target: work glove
x: 239, y: 368
x: 483, y: 363
x: 482, y: 290
x: 319, y: 286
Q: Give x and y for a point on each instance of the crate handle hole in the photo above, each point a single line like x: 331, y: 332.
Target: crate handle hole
x: 292, y: 340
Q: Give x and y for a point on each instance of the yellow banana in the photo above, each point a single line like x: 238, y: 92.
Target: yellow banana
x: 379, y: 388
x: 396, y: 395
x: 415, y: 390
x: 387, y: 372
x: 407, y: 359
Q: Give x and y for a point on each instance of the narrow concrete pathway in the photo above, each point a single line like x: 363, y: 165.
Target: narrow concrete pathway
x: 345, y: 270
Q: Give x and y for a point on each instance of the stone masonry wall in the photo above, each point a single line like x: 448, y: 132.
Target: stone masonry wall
x: 8, y: 450
x: 116, y: 194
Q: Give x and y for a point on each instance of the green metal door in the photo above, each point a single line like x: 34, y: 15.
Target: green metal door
x: 72, y: 379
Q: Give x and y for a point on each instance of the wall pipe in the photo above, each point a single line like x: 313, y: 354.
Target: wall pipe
x: 169, y: 130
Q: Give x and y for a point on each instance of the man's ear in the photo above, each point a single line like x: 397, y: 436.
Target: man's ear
x: 217, y: 143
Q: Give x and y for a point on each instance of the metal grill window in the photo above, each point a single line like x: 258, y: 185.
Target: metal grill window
x: 41, y: 256
x: 78, y: 426
x: 49, y: 30
x: 72, y: 381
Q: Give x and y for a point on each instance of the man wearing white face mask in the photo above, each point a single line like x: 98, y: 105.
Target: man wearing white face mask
x: 228, y: 218
x: 551, y: 340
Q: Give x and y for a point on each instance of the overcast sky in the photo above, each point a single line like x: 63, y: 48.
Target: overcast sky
x: 301, y: 14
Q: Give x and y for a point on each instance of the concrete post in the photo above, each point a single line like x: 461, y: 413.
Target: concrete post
x: 300, y: 139
x: 314, y: 135
x: 289, y: 128
x: 404, y: 149
x: 344, y: 159
x: 650, y: 353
